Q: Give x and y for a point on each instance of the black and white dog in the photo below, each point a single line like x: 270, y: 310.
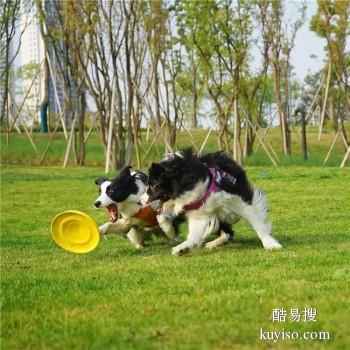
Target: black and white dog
x: 212, y: 191
x: 121, y: 196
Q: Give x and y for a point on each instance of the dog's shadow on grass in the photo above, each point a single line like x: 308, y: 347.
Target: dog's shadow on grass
x: 163, y: 247
x: 298, y: 240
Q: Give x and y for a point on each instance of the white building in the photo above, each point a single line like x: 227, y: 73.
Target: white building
x: 29, y: 63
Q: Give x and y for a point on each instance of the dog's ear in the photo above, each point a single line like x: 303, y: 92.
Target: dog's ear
x: 156, y: 168
x: 100, y: 180
x: 188, y: 152
x: 125, y: 172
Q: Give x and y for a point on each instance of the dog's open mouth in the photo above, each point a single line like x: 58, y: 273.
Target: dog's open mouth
x: 113, y: 212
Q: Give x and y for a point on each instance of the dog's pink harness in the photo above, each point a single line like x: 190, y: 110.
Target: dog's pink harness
x: 216, y: 177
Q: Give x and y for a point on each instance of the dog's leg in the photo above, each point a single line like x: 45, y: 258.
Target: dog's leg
x: 199, y: 229
x: 166, y: 225
x: 226, y: 234
x: 136, y: 237
x: 114, y: 227
x: 224, y: 238
x: 256, y: 214
x: 104, y: 229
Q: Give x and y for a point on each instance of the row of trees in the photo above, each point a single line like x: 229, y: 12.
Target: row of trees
x: 165, y: 64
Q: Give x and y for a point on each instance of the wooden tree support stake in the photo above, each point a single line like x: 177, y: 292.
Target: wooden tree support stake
x: 70, y: 141
x: 324, y: 102
x: 53, y: 78
x: 110, y: 128
x: 152, y: 144
x: 205, y: 141
x: 346, y: 157
x: 263, y: 144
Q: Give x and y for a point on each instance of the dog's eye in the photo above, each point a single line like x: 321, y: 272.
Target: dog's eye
x: 109, y: 191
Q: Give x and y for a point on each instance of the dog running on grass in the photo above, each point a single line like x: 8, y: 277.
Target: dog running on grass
x: 128, y: 218
x: 212, y: 191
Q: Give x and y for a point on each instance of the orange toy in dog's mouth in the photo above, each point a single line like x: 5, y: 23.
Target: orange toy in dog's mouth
x: 113, y: 212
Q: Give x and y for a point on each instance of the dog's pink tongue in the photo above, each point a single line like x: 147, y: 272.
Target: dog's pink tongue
x: 113, y: 212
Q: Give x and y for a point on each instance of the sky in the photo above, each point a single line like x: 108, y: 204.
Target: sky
x: 307, y: 43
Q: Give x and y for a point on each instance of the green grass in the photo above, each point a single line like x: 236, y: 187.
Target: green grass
x: 17, y: 149
x: 119, y: 298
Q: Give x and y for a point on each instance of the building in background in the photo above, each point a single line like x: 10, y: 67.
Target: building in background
x: 29, y: 62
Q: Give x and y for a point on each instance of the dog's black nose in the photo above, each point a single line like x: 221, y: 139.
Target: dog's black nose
x: 97, y: 204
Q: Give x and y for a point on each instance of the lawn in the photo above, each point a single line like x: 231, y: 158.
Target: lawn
x: 17, y: 149
x: 119, y: 298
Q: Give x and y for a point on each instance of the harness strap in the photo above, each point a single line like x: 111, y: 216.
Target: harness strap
x: 216, y: 177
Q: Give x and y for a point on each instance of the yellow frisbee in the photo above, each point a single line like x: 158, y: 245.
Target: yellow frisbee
x: 75, y: 231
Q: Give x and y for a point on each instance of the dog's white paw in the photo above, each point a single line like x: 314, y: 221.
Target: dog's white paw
x: 270, y: 243
x: 180, y: 250
x: 104, y: 228
x: 211, y: 245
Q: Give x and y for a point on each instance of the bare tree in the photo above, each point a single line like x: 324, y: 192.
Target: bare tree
x: 282, y: 42
x: 9, y: 12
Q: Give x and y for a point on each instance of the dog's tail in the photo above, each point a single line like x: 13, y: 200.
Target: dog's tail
x: 259, y: 202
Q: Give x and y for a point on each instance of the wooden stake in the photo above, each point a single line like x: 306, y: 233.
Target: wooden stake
x: 49, y: 144
x: 205, y: 141
x: 21, y: 123
x: 70, y: 141
x: 51, y: 137
x: 266, y: 131
x: 191, y: 138
x: 152, y: 144
x: 313, y: 102
x: 331, y: 148
x: 90, y: 130
x: 110, y: 128
x: 53, y: 79
x: 11, y: 118
x: 263, y: 145
x: 303, y: 135
x: 345, y: 157
x: 324, y: 102
x: 19, y: 110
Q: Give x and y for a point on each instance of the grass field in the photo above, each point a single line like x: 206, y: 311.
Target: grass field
x: 119, y: 298
x: 17, y: 149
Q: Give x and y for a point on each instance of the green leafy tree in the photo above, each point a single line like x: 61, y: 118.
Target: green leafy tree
x: 331, y: 22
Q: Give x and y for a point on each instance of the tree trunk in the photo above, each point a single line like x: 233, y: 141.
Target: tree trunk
x: 249, y: 138
x: 332, y: 115
x: 281, y: 111
x: 194, y: 100
x: 4, y: 106
x: 237, y: 148
x: 129, y: 92
x: 81, y: 123
x: 120, y: 161
x: 44, y: 95
x: 156, y: 90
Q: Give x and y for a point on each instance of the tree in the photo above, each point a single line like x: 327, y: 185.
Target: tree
x: 221, y: 40
x: 187, y: 21
x: 331, y: 22
x: 282, y: 41
x: 9, y: 12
